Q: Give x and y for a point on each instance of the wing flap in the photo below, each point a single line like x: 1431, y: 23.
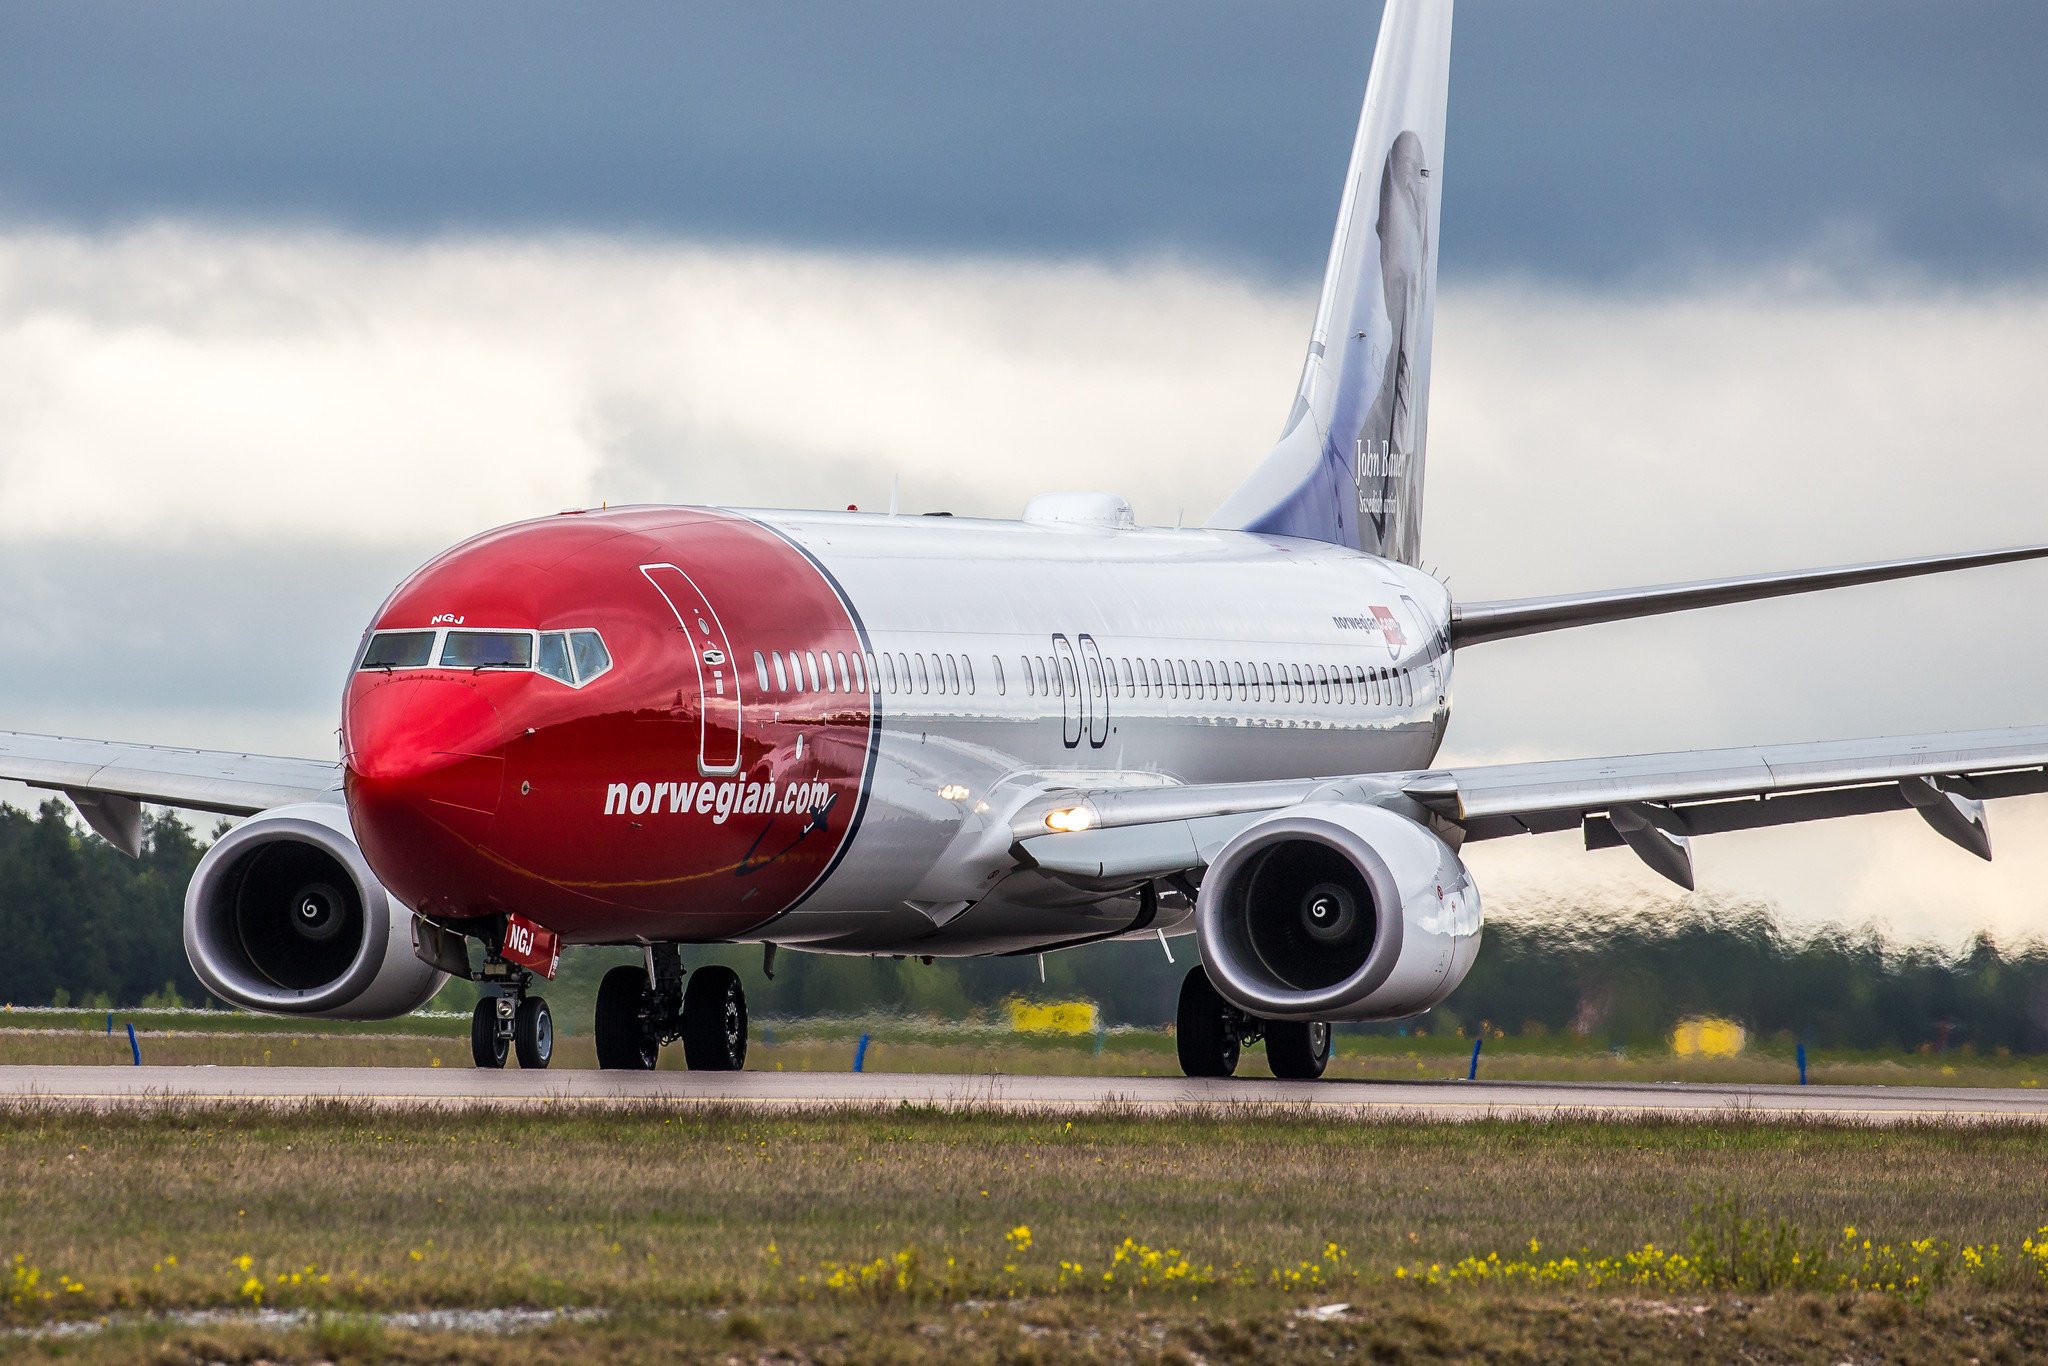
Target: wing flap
x: 2009, y: 760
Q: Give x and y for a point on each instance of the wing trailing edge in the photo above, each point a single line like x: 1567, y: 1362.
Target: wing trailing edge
x: 1475, y: 623
x: 1651, y: 803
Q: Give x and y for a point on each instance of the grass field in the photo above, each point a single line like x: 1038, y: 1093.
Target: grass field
x: 921, y: 1236
x: 229, y: 1038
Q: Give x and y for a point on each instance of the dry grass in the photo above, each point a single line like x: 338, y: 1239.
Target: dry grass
x: 669, y: 1215
x: 1390, y: 1327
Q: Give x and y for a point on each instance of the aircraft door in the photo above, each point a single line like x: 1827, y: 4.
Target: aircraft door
x: 717, y: 669
x: 1430, y: 664
x: 1073, y: 701
x: 1097, y: 692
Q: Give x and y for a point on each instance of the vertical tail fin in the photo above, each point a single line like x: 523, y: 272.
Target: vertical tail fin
x: 1348, y: 466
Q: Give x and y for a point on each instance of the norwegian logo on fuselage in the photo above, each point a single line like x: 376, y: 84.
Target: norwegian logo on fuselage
x: 720, y: 800
x: 1381, y: 620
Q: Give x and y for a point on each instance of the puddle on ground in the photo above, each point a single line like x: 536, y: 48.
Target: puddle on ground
x: 476, y: 1322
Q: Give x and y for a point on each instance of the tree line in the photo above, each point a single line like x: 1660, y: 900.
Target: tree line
x: 82, y: 924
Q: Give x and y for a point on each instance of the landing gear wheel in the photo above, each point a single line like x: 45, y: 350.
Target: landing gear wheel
x: 533, y: 1033
x: 1297, y: 1050
x: 1205, y: 1029
x: 715, y: 1021
x: 625, y: 1038
x: 486, y: 1044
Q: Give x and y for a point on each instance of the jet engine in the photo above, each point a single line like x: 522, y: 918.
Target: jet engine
x: 284, y: 916
x: 1337, y: 911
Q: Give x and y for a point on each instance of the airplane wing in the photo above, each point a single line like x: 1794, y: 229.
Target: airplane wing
x: 108, y: 782
x: 1652, y: 803
x: 1475, y: 623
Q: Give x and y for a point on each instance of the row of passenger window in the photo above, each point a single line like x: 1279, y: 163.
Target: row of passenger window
x: 1048, y: 676
x: 836, y: 671
x: 1223, y: 680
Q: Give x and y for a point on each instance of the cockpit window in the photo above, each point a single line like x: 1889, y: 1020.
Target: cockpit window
x: 571, y: 657
x: 554, y: 658
x: 592, y: 658
x: 487, y: 650
x: 399, y: 650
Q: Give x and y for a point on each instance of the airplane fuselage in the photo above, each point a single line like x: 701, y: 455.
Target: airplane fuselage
x: 811, y: 727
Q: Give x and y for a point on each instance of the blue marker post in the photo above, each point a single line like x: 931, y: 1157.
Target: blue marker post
x: 110, y: 1023
x: 1802, y: 1064
x: 133, y: 1046
x: 860, y: 1053
x: 1472, y: 1072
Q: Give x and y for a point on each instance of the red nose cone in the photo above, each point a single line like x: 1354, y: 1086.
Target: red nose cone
x: 424, y: 778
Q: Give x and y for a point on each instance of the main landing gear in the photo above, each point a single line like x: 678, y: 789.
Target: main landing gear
x: 1210, y: 1033
x: 509, y: 1020
x: 639, y: 1010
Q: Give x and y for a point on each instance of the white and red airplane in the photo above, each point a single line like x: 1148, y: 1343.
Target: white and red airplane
x: 936, y: 736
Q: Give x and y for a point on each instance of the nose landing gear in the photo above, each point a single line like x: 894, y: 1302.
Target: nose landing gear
x: 639, y: 1011
x: 508, y: 1020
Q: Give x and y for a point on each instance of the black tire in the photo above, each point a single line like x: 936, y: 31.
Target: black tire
x: 1205, y: 1029
x: 486, y: 1045
x: 624, y: 1041
x: 715, y: 1021
x: 1298, y: 1050
x: 533, y: 1033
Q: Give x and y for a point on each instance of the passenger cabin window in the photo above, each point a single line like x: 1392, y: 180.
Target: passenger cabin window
x: 996, y: 662
x: 781, y: 678
x: 399, y: 650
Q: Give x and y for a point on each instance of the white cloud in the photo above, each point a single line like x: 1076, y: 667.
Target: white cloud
x: 344, y: 406
x: 176, y: 380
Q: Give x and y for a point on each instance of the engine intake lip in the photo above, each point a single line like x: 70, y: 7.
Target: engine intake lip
x: 260, y: 975
x: 1251, y: 962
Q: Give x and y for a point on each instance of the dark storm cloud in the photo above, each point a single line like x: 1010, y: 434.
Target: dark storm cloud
x: 1591, y: 139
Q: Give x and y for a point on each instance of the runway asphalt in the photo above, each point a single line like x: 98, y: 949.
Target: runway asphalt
x: 109, y: 1087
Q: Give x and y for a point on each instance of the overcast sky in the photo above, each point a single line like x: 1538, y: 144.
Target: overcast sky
x: 290, y: 298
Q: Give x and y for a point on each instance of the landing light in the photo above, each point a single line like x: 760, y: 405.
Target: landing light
x: 1070, y: 820
x: 953, y: 792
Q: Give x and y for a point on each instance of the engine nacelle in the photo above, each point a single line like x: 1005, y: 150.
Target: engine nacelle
x: 284, y: 916
x: 1334, y: 911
